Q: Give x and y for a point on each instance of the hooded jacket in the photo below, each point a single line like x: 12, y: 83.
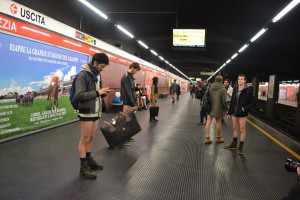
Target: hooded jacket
x: 217, y: 93
x: 87, y: 86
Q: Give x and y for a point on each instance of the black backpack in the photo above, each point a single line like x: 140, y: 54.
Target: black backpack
x: 72, y: 96
x: 206, y: 102
x: 199, y: 93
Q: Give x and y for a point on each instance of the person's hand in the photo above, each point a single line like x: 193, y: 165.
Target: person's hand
x: 129, y: 109
x: 298, y: 171
x: 104, y: 91
x: 228, y: 116
x: 135, y: 108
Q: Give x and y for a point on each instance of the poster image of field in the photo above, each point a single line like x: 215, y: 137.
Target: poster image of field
x: 34, y: 85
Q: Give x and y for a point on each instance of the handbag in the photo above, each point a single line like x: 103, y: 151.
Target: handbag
x: 206, y: 103
x: 120, y: 128
x: 154, y: 110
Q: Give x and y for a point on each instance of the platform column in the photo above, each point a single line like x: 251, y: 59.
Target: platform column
x: 273, y: 90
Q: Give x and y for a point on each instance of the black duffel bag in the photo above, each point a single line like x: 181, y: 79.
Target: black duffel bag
x: 120, y: 129
x: 154, y: 110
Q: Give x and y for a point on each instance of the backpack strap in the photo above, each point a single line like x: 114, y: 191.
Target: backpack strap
x: 86, y: 79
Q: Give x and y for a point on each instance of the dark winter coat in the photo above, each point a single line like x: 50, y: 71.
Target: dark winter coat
x: 243, y: 103
x: 128, y: 94
x: 89, y: 102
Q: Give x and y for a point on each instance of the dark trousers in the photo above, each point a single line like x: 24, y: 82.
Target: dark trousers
x: 154, y: 110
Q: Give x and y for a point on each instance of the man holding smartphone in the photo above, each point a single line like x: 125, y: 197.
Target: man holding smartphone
x: 88, y: 93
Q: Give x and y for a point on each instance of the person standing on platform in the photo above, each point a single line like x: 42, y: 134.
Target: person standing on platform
x: 241, y: 102
x: 229, y: 91
x: 88, y: 95
x: 173, y: 90
x: 128, y: 94
x: 191, y: 89
x: 203, y: 109
x: 217, y: 101
x: 178, y: 91
x: 154, y: 108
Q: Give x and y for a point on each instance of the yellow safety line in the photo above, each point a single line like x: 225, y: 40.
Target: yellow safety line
x: 268, y: 135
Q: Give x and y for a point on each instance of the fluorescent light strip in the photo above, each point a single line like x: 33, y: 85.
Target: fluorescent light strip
x: 234, y: 56
x: 161, y: 58
x: 35, y: 31
x: 126, y: 32
x: 228, y: 61
x: 103, y: 15
x: 143, y: 44
x: 154, y: 52
x: 93, y: 8
x: 243, y: 48
x: 287, y: 9
x: 178, y: 71
x: 258, y: 35
x: 73, y: 43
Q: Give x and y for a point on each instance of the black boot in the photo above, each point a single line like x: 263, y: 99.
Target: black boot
x: 233, y: 145
x: 240, y: 150
x: 156, y: 113
x: 85, y: 171
x: 152, y: 118
x: 92, y: 163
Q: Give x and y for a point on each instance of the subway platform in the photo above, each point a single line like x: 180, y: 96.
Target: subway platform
x: 166, y: 161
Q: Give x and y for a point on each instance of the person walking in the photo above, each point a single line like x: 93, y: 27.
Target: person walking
x: 173, y: 90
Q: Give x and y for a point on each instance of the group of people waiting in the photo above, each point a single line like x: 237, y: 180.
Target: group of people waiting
x: 89, y: 93
x: 220, y: 100
x: 216, y: 98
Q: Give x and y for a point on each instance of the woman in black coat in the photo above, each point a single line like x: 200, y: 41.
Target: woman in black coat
x: 241, y: 102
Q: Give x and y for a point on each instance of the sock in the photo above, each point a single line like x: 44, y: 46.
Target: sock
x: 235, y: 140
x: 88, y: 154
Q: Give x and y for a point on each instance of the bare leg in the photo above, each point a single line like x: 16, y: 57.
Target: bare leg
x: 242, y: 125
x: 207, y: 130
x: 93, y: 133
x: 86, y: 128
x: 218, y: 130
x: 235, y: 126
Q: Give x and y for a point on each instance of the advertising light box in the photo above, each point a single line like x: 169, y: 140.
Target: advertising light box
x: 288, y: 92
x: 263, y: 91
x: 189, y: 37
x: 34, y: 83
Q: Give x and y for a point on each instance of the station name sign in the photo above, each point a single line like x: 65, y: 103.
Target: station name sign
x: 207, y: 73
x: 24, y: 13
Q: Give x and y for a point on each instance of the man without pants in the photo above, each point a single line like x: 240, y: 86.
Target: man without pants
x: 88, y: 94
